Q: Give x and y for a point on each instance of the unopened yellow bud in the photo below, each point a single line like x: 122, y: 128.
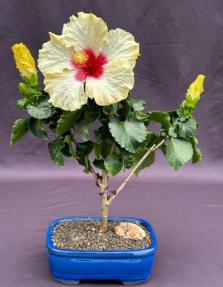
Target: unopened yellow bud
x: 192, y: 96
x: 24, y: 60
x: 196, y: 88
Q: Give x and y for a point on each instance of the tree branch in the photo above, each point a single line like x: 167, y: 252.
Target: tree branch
x: 120, y: 188
x: 96, y: 175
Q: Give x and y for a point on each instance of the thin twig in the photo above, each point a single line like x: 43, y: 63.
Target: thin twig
x: 120, y: 188
x: 91, y: 169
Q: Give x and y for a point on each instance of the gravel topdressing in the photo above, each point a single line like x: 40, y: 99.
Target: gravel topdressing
x: 84, y: 235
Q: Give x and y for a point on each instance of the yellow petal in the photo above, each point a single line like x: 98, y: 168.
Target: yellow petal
x: 24, y: 60
x: 197, y: 87
x: 85, y: 31
x: 113, y: 86
x: 65, y: 92
x: 121, y: 45
x: 54, y: 55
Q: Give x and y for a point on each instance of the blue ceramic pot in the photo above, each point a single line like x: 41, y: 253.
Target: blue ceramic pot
x: 129, y: 266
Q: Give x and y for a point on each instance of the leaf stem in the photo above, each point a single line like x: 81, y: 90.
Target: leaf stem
x: 112, y: 147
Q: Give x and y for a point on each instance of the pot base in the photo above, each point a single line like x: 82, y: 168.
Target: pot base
x: 126, y: 283
x: 134, y: 282
x: 66, y: 281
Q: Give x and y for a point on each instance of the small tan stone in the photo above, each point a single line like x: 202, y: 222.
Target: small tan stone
x: 130, y: 230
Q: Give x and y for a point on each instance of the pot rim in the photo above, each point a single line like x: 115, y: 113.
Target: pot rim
x: 102, y: 253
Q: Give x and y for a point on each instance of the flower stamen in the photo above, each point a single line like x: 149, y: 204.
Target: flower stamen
x: 80, y: 57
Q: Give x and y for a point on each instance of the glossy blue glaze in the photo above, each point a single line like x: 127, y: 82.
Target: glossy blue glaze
x: 129, y: 266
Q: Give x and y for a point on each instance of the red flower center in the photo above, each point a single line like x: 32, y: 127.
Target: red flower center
x: 87, y: 64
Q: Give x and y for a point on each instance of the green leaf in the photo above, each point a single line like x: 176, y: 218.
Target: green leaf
x: 127, y: 159
x: 151, y: 139
x: 83, y: 132
x: 187, y: 129
x: 147, y: 162
x: 107, y: 110
x: 141, y: 116
x: 41, y: 110
x: 68, y: 140
x: 83, y: 150
x: 55, y: 148
x: 19, y: 129
x: 25, y: 90
x: 113, y: 163
x: 181, y: 128
x: 52, y: 121
x: 32, y: 81
x: 162, y: 133
x: 99, y: 163
x: 66, y: 150
x: 128, y: 134
x: 173, y: 114
x: 161, y: 117
x: 106, y: 146
x: 137, y: 105
x: 82, y: 128
x: 103, y: 147
x: 37, y: 129
x: 97, y: 149
x: 125, y: 110
x: 173, y: 131
x: 67, y: 121
x: 102, y: 133
x: 188, y: 105
x: 22, y: 103
x: 178, y: 152
x: 197, y: 155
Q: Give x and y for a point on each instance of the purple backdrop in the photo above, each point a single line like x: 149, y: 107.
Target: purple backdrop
x: 178, y: 40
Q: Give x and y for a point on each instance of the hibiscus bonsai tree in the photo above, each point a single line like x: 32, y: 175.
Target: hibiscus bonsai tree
x: 87, y: 105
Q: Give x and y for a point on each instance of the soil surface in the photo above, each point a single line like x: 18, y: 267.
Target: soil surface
x: 84, y: 235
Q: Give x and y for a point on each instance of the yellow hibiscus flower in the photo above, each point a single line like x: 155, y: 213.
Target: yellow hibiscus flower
x: 87, y: 52
x: 24, y: 60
